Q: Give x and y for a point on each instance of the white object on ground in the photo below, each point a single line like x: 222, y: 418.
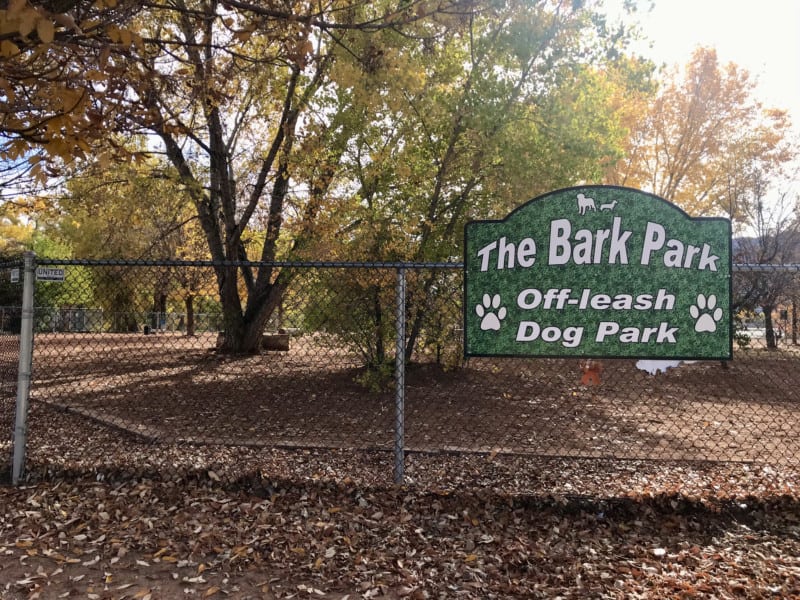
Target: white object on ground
x: 659, y: 366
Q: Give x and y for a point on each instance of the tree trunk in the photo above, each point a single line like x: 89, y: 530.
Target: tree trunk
x: 419, y: 317
x: 159, y: 309
x: 380, y: 351
x: 232, y: 317
x: 244, y: 329
x: 189, y: 303
x: 771, y: 341
x: 257, y: 316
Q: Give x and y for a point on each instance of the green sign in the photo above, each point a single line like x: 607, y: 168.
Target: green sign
x: 598, y: 271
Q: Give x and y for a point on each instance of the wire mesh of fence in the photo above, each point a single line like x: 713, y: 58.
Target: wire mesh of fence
x: 10, y: 319
x: 137, y: 352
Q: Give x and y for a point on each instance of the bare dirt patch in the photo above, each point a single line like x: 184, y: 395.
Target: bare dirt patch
x: 169, y: 388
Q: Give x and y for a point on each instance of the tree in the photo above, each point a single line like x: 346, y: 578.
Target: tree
x: 130, y: 211
x: 271, y: 112
x: 229, y: 84
x: 133, y: 212
x: 704, y: 142
x: 192, y: 282
x: 59, y: 85
x: 462, y: 127
x: 16, y: 232
x: 692, y: 139
x: 775, y: 241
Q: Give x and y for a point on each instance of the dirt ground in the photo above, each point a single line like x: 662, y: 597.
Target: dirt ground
x: 169, y: 388
x: 159, y: 469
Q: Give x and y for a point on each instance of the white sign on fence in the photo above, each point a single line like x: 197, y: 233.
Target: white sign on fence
x: 14, y: 275
x: 49, y: 274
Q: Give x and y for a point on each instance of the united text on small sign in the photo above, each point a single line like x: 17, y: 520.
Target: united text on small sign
x: 49, y: 274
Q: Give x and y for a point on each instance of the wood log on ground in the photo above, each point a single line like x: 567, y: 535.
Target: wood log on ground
x: 269, y: 341
x: 275, y: 341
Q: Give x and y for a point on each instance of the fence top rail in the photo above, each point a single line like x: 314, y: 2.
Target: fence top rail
x: 255, y: 264
x: 742, y: 267
x: 766, y: 267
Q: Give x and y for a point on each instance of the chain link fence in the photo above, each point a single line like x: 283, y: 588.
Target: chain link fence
x: 133, y: 352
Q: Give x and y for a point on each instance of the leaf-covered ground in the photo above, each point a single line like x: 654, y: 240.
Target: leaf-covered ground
x: 500, y: 527
x: 105, y: 513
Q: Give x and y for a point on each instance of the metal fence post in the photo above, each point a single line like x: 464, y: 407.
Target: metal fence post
x: 24, y: 369
x: 400, y: 378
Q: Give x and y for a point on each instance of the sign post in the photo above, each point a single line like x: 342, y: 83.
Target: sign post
x: 598, y: 271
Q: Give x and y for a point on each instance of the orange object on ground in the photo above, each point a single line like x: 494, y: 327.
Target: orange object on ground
x: 591, y: 372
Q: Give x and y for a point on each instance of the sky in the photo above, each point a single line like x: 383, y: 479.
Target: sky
x: 763, y: 36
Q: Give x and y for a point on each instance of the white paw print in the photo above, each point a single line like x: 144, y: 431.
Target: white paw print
x: 490, y: 320
x: 705, y: 314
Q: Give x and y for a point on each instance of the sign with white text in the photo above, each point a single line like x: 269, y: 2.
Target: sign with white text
x: 49, y: 274
x: 598, y: 271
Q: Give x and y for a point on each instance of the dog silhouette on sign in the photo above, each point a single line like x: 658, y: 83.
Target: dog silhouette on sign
x: 609, y: 206
x: 585, y: 203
